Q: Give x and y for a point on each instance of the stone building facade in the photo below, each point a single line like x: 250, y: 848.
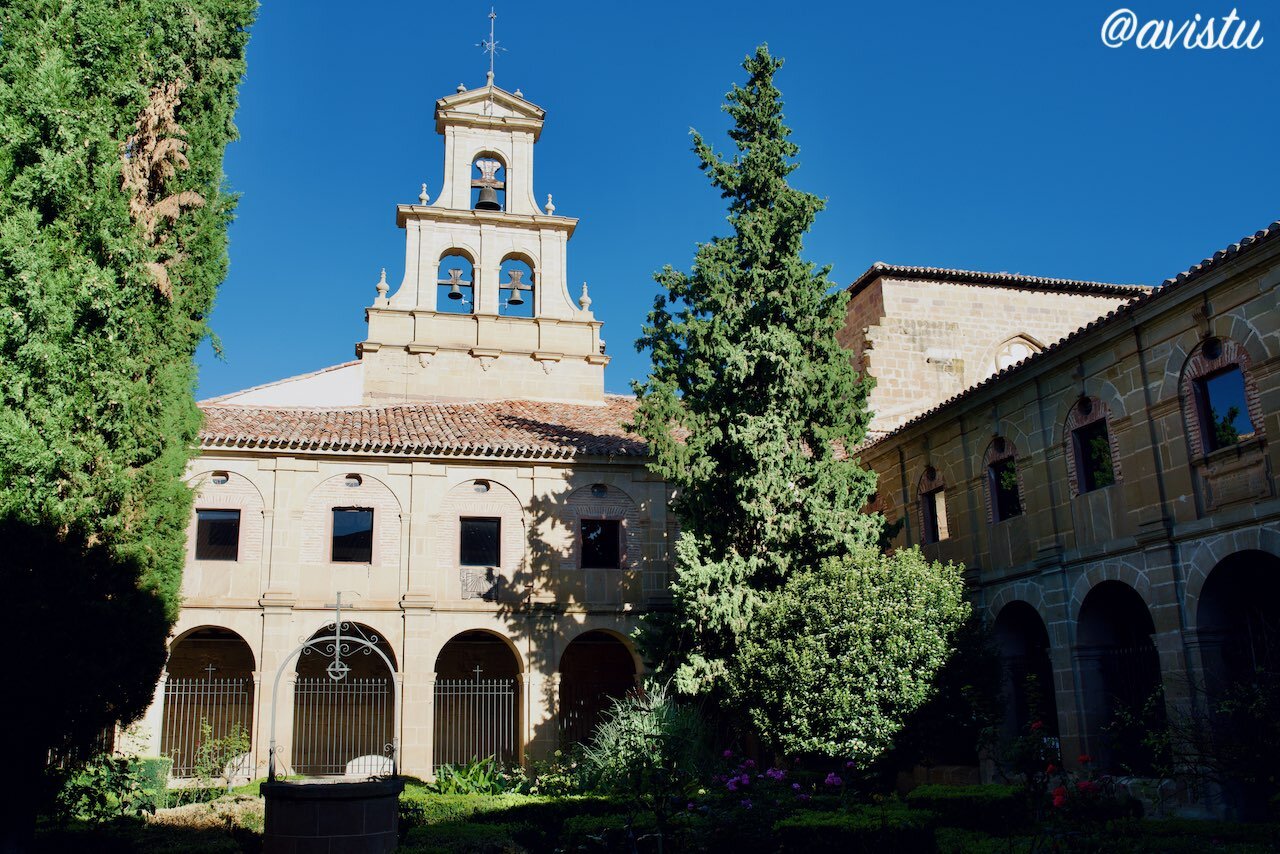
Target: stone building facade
x: 1113, y: 498
x: 465, y: 485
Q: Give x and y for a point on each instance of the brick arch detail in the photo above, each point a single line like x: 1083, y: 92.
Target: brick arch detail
x: 1198, y: 365
x: 616, y: 504
x: 317, y: 517
x: 993, y: 456
x: 1077, y: 418
x: 1127, y: 573
x: 238, y: 493
x: 1027, y: 592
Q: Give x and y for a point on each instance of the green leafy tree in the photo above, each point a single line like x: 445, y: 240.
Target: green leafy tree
x: 113, y: 122
x: 751, y: 403
x: 836, y: 661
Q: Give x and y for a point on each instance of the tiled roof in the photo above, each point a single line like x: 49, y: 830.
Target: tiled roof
x: 1244, y: 245
x: 491, y: 428
x: 1007, y: 280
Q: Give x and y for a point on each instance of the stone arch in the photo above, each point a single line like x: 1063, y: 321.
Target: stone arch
x: 209, y: 682
x: 519, y: 277
x: 931, y: 501
x: 1084, y: 413
x: 595, y: 668
x: 334, y: 493
x: 1212, y: 357
x: 1120, y: 677
x: 477, y: 699
x: 1238, y: 619
x: 1022, y: 637
x: 1013, y: 350
x: 497, y: 178
x: 478, y: 498
x: 456, y: 280
x: 1001, y: 456
x: 1204, y: 555
x: 344, y: 726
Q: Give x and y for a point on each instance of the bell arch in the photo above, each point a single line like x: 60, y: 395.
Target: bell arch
x: 488, y: 181
x: 208, y: 694
x: 517, y: 286
x: 456, y: 282
x: 477, y: 700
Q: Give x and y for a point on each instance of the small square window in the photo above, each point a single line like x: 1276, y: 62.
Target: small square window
x: 601, y: 544
x: 1006, y: 502
x: 1224, y: 409
x: 352, y: 535
x: 1093, y: 456
x: 217, y: 535
x: 480, y: 544
x: 933, y: 510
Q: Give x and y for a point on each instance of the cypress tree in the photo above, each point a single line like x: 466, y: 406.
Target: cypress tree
x: 113, y: 122
x: 751, y: 403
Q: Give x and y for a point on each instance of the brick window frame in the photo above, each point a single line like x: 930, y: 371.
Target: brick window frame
x: 998, y: 451
x: 613, y: 505
x: 932, y: 487
x: 1200, y: 366
x: 1086, y: 411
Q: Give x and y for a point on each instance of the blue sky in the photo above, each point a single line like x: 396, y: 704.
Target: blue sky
x: 993, y: 136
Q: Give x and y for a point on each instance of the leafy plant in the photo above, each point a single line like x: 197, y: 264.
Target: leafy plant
x: 651, y: 751
x: 106, y: 788
x: 480, y: 776
x: 215, y: 763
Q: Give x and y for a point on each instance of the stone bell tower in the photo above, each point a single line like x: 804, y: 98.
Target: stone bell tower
x: 484, y: 309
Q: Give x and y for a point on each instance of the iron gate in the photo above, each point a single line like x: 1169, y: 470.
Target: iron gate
x: 341, y: 727
x: 475, y: 718
x: 190, y: 704
x: 583, y: 703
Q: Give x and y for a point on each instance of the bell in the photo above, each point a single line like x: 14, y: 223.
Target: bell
x: 488, y: 200
x: 455, y: 292
x: 516, y: 299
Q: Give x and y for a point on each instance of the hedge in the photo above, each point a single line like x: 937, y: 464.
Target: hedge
x: 891, y: 827
x: 990, y: 808
x: 461, y: 837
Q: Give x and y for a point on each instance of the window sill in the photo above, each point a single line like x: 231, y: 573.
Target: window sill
x: 1245, y: 447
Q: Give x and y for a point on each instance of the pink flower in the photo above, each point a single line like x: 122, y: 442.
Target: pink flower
x: 1060, y: 796
x: 795, y: 787
x: 728, y: 754
x: 750, y: 763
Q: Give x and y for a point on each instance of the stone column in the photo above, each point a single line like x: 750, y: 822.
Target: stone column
x: 418, y: 689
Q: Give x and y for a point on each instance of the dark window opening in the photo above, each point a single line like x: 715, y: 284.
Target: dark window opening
x: 1005, y: 500
x: 217, y: 535
x: 1094, y: 469
x: 601, y: 544
x: 352, y: 535
x: 929, y: 502
x: 1224, y: 409
x: 480, y: 542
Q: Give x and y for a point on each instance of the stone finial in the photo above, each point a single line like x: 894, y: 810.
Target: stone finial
x: 423, y: 198
x: 462, y: 87
x: 585, y: 299
x: 518, y: 93
x: 551, y: 208
x: 382, y: 287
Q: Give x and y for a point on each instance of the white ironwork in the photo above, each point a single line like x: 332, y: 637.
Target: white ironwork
x: 346, y: 639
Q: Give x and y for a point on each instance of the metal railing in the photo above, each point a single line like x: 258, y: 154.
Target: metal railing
x: 475, y: 718
x: 341, y: 728
x: 190, y: 703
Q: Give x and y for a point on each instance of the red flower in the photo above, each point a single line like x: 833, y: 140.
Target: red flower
x: 1035, y: 725
x: 1087, y: 787
x: 1050, y: 768
x: 1084, y: 759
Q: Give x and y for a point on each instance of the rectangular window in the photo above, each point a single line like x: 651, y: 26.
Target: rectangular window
x: 217, y: 535
x: 1005, y: 500
x: 601, y: 544
x: 480, y: 544
x: 352, y: 535
x: 1093, y: 456
x: 933, y: 509
x: 1224, y: 410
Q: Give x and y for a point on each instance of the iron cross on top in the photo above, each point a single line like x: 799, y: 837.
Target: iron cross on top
x: 337, y: 669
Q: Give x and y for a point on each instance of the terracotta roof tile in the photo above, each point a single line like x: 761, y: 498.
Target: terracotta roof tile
x: 1006, y: 280
x: 498, y: 428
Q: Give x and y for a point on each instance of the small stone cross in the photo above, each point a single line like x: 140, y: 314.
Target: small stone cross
x: 210, y: 669
x: 478, y: 671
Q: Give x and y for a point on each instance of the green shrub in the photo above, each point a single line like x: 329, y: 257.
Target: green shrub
x: 890, y: 827
x: 991, y: 808
x: 546, y: 815
x: 478, y: 777
x: 153, y: 773
x: 460, y: 837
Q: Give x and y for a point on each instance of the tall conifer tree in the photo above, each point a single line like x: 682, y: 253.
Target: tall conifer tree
x: 751, y: 402
x: 113, y: 121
